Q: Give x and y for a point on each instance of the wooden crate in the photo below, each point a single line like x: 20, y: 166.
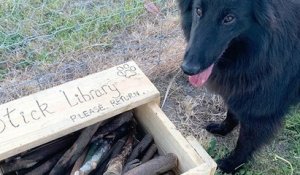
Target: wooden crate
x: 47, y: 115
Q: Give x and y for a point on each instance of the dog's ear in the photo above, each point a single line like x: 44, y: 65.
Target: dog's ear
x: 185, y: 5
x: 264, y: 13
x: 186, y: 8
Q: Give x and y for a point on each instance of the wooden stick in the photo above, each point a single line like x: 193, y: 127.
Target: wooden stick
x: 92, y: 150
x: 115, y: 165
x: 169, y: 173
x: 62, y: 143
x: 45, y: 167
x: 155, y: 166
x: 115, y: 150
x: 114, y: 124
x: 75, y: 151
x: 79, y: 162
x: 23, y: 163
x: 140, y: 148
x: 34, y: 156
x: 149, y: 154
x: 121, y: 131
x: 112, y: 153
x: 92, y: 164
x: 131, y: 165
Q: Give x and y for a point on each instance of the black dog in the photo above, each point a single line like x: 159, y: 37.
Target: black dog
x: 248, y: 51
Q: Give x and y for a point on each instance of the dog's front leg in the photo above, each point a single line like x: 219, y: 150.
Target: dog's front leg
x: 253, y: 134
x: 225, y: 126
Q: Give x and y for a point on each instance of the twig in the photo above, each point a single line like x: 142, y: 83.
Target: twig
x: 45, y: 167
x: 132, y: 164
x: 38, y: 154
x: 168, y: 88
x: 79, y: 162
x: 92, y: 164
x: 115, y: 165
x: 113, y: 125
x: 149, y: 154
x: 75, y: 151
x: 141, y: 147
x: 155, y: 166
x: 113, y: 152
x: 169, y: 173
x: 286, y: 161
x: 92, y: 150
x: 120, y: 132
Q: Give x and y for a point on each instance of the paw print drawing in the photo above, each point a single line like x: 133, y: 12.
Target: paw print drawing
x: 126, y: 70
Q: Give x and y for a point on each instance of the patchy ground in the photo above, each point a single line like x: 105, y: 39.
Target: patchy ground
x: 156, y: 44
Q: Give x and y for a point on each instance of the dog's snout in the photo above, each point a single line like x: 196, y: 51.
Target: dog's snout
x: 189, y: 69
x: 190, y: 65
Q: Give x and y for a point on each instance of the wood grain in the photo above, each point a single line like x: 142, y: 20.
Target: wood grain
x: 47, y: 115
x: 210, y: 163
x: 167, y: 137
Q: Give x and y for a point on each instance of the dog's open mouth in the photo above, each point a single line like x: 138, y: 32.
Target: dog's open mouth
x: 201, y: 78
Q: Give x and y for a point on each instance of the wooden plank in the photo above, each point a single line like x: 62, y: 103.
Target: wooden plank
x: 203, y: 169
x: 201, y: 151
x: 167, y: 137
x: 36, y: 119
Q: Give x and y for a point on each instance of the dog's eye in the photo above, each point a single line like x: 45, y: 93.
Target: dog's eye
x: 199, y: 12
x: 228, y: 19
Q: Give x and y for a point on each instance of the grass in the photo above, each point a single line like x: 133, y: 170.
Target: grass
x: 37, y: 31
x: 280, y: 158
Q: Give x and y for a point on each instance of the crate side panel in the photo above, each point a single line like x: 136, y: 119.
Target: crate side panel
x: 167, y: 137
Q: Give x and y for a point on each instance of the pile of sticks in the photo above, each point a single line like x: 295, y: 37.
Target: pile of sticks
x: 117, y: 146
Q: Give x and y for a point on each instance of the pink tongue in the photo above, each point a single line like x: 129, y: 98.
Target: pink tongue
x: 199, y: 79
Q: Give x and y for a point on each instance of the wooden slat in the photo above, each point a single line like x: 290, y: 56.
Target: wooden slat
x: 210, y: 163
x: 167, y: 137
x: 36, y: 119
x: 203, y: 169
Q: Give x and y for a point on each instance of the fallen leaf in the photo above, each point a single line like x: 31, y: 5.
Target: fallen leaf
x: 152, y: 8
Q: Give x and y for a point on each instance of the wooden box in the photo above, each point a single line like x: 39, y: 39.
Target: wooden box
x: 47, y: 115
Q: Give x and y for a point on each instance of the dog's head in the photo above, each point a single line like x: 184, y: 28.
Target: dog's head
x: 216, y: 24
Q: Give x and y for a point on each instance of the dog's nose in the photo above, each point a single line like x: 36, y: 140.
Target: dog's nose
x: 189, y: 69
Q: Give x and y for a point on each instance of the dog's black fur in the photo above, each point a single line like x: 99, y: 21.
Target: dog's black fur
x: 256, y: 65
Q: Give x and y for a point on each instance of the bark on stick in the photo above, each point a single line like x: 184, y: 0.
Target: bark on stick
x: 155, y: 166
x: 115, y: 165
x: 70, y: 156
